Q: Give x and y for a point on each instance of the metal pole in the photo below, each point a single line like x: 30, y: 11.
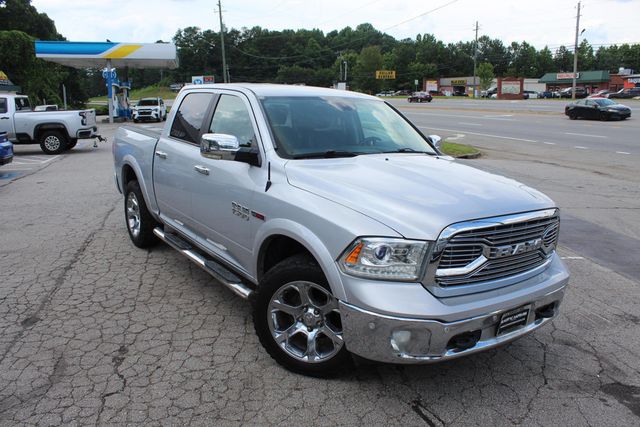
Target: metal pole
x: 475, y: 58
x: 224, y: 58
x: 64, y: 95
x: 575, y: 56
x: 109, y: 91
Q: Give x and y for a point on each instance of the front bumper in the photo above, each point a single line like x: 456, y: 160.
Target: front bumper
x: 391, y: 338
x: 145, y: 115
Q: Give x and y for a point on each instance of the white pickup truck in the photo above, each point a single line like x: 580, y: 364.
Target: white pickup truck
x: 55, y: 131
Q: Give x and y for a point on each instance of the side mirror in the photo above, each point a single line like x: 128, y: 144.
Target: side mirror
x: 436, y: 140
x: 219, y: 146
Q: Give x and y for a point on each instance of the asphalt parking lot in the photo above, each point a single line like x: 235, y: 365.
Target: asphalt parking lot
x: 96, y: 331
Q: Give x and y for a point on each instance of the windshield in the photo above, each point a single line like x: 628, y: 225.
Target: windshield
x: 339, y: 126
x: 604, y: 102
x: 148, y: 102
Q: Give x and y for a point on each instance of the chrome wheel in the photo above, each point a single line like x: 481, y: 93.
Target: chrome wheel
x: 133, y: 214
x: 304, y: 321
x: 52, y: 143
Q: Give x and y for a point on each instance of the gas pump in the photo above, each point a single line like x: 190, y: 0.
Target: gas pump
x: 118, y: 93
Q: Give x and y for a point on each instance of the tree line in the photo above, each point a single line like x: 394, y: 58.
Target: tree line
x: 296, y: 57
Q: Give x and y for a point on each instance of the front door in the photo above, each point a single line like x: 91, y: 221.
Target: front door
x: 174, y: 157
x: 222, y: 196
x: 6, y: 122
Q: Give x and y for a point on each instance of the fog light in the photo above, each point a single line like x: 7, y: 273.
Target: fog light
x: 410, y: 342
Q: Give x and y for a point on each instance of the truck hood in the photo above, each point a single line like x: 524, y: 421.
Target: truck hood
x: 415, y: 195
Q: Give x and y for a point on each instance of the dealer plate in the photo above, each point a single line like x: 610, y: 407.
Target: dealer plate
x: 513, y: 319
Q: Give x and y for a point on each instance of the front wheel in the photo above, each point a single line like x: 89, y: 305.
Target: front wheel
x: 573, y: 115
x: 297, y: 319
x: 140, y: 223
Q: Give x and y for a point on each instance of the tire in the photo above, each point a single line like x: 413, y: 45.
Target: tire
x: 140, y: 223
x: 135, y: 120
x: 294, y: 296
x: 573, y: 115
x: 53, y: 142
x: 603, y: 116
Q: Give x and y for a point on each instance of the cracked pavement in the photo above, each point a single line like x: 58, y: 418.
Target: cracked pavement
x: 96, y: 331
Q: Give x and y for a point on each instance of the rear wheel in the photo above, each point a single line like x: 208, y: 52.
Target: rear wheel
x: 140, y: 223
x: 297, y: 319
x: 53, y: 142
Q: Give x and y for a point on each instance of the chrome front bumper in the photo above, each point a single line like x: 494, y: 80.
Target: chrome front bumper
x: 392, y: 339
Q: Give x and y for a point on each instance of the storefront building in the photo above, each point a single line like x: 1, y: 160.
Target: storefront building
x: 592, y: 81
x: 457, y: 85
x: 631, y: 81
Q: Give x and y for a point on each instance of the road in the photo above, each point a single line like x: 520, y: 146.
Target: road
x: 95, y: 331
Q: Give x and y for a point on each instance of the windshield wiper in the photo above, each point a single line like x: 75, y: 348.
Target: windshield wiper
x: 410, y: 150
x: 327, y: 154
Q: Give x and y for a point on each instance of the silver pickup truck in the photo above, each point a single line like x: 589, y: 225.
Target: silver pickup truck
x: 344, y: 225
x: 55, y: 131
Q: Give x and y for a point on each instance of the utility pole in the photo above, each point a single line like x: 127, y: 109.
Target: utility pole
x: 224, y: 58
x: 575, y: 55
x: 475, y: 59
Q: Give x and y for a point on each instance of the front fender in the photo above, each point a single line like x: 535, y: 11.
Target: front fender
x: 310, y: 241
x: 145, y: 182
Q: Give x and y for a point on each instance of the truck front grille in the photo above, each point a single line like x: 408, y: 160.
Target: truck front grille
x: 490, y: 253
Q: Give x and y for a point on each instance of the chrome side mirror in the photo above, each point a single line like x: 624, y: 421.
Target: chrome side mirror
x: 219, y: 146
x: 436, y: 140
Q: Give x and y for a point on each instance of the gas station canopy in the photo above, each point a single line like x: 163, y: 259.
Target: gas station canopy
x: 96, y: 54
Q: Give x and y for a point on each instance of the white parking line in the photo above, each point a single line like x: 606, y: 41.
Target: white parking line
x: 548, y: 143
x: 571, y: 257
x: 584, y: 134
x: 580, y: 147
x: 622, y: 152
x: 469, y: 124
x: 479, y: 134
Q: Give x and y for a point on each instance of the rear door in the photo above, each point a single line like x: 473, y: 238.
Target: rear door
x: 175, y: 155
x: 6, y: 121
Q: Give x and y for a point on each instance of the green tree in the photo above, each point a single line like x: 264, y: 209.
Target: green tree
x: 369, y: 60
x: 486, y: 75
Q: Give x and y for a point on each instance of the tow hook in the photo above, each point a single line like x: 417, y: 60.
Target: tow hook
x: 100, y: 138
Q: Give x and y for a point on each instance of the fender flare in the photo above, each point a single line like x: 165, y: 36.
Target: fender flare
x: 310, y: 241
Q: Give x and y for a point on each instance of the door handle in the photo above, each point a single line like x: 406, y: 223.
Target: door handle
x: 161, y: 154
x: 4, y: 118
x: 201, y: 169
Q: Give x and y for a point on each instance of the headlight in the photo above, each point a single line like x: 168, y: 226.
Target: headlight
x: 612, y: 110
x: 385, y: 258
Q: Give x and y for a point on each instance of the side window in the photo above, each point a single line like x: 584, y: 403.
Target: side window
x: 232, y: 118
x: 3, y: 105
x: 189, y: 117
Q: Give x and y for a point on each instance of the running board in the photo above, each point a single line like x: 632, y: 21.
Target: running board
x: 214, y: 268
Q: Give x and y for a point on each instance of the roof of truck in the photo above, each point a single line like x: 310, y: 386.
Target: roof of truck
x: 267, y: 89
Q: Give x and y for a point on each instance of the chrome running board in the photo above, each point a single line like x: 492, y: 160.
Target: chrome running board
x: 214, y: 268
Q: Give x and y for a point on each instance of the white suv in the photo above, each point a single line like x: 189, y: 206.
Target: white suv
x: 150, y: 109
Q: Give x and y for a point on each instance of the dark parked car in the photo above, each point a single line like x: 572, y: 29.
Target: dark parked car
x: 420, y: 97
x: 580, y: 92
x: 626, y: 93
x: 6, y: 149
x: 598, y: 108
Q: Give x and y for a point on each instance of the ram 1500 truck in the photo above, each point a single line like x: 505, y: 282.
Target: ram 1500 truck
x: 346, y: 227
x: 55, y: 131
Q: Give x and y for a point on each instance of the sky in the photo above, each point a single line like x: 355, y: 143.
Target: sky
x: 539, y: 22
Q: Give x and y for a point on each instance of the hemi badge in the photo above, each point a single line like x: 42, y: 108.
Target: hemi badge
x: 257, y: 215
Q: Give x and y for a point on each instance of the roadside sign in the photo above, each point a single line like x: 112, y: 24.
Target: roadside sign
x: 197, y: 80
x: 209, y: 79
x: 562, y: 76
x: 432, y: 85
x: 385, y: 74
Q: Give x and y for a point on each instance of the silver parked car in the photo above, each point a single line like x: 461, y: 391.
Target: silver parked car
x: 345, y: 226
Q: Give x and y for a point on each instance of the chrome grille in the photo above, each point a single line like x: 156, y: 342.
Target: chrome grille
x: 469, y: 245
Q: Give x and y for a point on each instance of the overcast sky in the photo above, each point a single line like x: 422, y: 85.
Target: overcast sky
x: 540, y: 22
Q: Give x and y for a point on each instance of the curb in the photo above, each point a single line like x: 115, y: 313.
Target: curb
x: 475, y: 155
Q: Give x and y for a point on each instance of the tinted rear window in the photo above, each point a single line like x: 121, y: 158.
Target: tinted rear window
x: 189, y: 117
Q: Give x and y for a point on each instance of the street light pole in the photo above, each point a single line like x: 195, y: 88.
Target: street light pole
x: 575, y: 56
x: 224, y: 58
x: 475, y: 59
